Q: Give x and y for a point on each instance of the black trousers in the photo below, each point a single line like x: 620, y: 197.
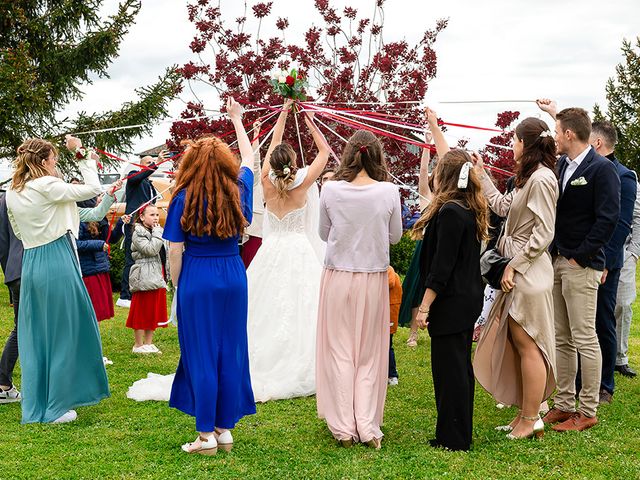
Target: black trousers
x: 393, y: 371
x: 10, y: 352
x: 606, y: 327
x: 125, y: 293
x: 453, y: 383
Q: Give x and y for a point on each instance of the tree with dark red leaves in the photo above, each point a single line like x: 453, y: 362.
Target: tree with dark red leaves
x: 345, y: 59
x: 501, y: 158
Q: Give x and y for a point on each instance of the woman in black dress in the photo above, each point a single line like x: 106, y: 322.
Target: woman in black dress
x: 453, y: 228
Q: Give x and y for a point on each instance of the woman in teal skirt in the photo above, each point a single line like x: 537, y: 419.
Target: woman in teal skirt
x: 59, y: 341
x: 412, y: 291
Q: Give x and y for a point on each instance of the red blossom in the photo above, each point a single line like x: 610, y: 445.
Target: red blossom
x: 362, y: 25
x: 350, y: 13
x: 322, y: 5
x: 506, y: 118
x: 376, y: 29
x: 290, y: 80
x: 282, y: 23
x: 261, y: 10
x: 197, y: 45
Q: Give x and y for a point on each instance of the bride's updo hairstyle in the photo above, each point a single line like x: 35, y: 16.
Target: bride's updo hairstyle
x: 363, y: 151
x: 283, y: 166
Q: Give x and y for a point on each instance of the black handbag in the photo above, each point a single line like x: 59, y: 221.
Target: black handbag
x: 492, y: 264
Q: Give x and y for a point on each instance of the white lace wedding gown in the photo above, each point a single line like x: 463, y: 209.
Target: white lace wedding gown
x: 284, y: 287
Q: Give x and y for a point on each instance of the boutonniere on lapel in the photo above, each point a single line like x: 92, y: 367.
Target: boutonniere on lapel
x: 579, y: 182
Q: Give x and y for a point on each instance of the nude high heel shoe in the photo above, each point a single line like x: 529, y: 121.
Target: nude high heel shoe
x: 538, y: 429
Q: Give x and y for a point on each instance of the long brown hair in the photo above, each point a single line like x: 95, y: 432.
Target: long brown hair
x: 363, y: 151
x: 28, y: 164
x: 283, y: 165
x: 209, y: 175
x: 447, y: 172
x: 537, y: 150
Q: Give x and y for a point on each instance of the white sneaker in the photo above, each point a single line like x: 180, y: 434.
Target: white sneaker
x: 123, y: 303
x: 153, y: 349
x: 393, y: 381
x: 141, y: 349
x: 70, y: 416
x: 106, y: 361
x: 10, y: 396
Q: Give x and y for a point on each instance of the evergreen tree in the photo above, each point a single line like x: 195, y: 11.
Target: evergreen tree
x: 48, y: 50
x: 623, y: 105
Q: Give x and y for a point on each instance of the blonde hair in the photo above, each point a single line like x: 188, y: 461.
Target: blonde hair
x: 447, y: 173
x: 29, y: 164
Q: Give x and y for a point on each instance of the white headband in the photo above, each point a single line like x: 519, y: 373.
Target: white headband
x: 546, y: 133
x: 463, y: 178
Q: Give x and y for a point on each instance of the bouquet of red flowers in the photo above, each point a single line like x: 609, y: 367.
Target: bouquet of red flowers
x: 290, y: 85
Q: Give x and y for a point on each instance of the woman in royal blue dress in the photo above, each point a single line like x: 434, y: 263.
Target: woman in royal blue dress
x: 210, y: 207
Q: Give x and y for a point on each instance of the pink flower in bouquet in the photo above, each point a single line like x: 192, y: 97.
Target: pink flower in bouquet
x: 290, y: 80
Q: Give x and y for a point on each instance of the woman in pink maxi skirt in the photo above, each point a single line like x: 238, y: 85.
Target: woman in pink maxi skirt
x: 359, y: 218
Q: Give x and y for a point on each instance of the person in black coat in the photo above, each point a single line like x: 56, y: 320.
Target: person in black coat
x: 454, y: 225
x: 139, y: 190
x: 11, y: 251
x: 603, y: 140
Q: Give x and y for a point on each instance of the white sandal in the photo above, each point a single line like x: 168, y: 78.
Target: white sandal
x: 224, y: 439
x: 208, y: 446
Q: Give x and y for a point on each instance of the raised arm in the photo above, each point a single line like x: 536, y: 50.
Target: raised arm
x: 423, y: 181
x: 95, y: 214
x: 320, y: 162
x: 442, y: 147
x: 498, y: 202
x: 276, y: 140
x: 234, y: 109
x: 87, y: 160
x: 255, y: 143
x: 548, y: 105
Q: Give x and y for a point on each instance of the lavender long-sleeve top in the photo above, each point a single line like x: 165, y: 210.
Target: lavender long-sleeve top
x: 359, y: 223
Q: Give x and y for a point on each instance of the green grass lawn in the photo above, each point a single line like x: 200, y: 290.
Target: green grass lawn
x: 120, y: 438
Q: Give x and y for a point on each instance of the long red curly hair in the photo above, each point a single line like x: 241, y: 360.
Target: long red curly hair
x: 209, y: 175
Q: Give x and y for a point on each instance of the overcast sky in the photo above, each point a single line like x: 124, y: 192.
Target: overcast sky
x: 491, y: 50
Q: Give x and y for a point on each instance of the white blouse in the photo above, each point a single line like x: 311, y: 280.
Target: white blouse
x: 46, y: 208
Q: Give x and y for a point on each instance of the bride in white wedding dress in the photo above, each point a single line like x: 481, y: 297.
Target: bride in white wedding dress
x: 284, y: 276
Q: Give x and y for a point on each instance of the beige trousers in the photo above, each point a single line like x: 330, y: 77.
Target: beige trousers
x: 575, y: 294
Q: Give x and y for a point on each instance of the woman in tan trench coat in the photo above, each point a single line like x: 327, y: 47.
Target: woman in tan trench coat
x: 515, y: 357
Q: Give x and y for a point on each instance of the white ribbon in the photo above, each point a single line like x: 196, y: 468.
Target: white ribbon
x: 463, y: 179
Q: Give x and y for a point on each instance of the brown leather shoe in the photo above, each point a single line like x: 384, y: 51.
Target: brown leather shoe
x: 556, y: 415
x: 578, y: 422
x: 605, y: 397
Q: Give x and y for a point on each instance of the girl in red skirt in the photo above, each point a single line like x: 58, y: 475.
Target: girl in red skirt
x: 147, y: 281
x: 94, y: 261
